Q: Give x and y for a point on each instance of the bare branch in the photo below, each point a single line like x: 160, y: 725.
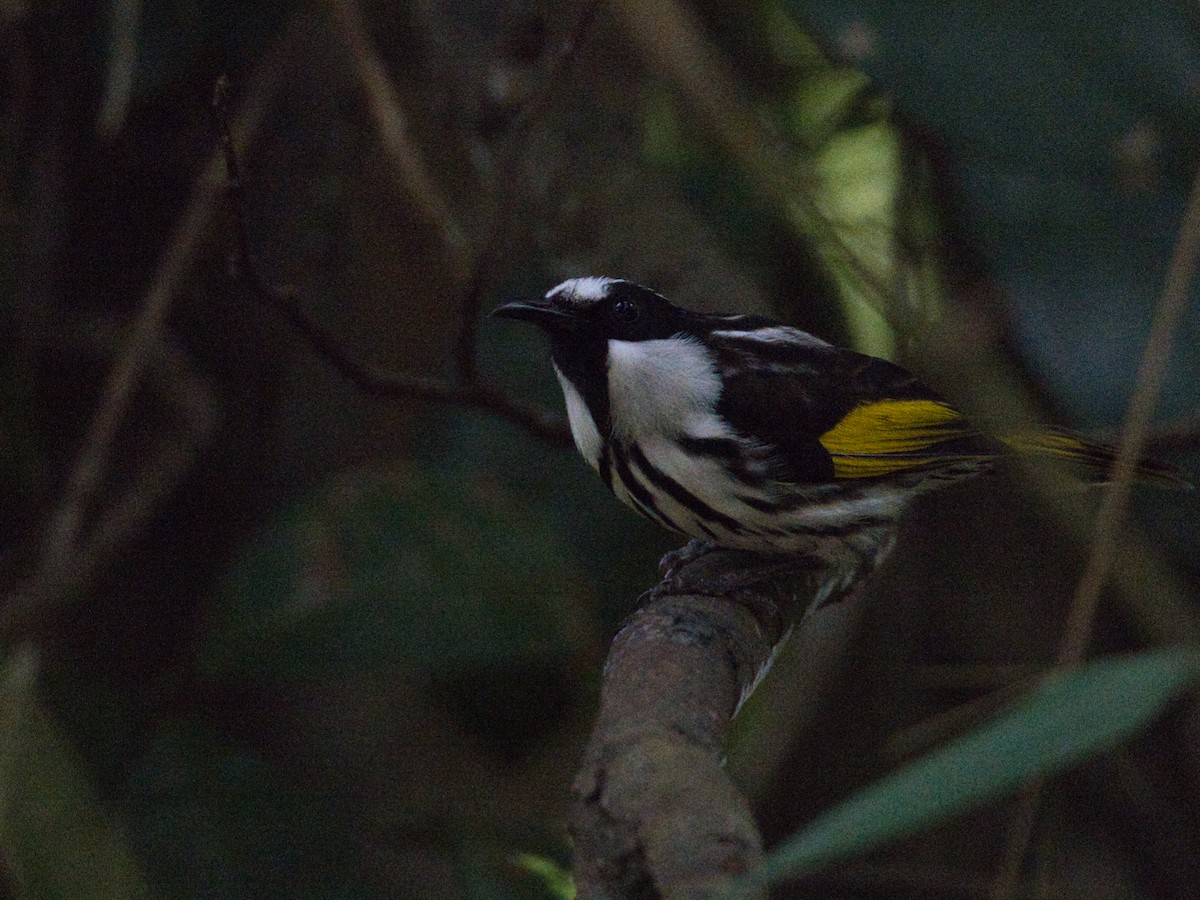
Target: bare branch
x: 471, y: 393
x: 1152, y: 372
x: 125, y: 19
x: 176, y: 263
x: 383, y: 101
x: 72, y: 553
x: 653, y: 805
x: 28, y: 610
x: 655, y: 812
x: 476, y: 395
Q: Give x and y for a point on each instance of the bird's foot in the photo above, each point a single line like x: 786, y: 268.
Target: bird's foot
x: 675, y: 560
x: 753, y: 579
x: 702, y: 567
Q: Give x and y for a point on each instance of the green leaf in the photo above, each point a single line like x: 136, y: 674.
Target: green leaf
x: 557, y: 880
x: 1062, y: 722
x: 55, y: 839
x: 844, y: 183
x: 419, y: 567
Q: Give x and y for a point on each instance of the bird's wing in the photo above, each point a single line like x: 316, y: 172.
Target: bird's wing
x: 835, y: 414
x: 883, y: 436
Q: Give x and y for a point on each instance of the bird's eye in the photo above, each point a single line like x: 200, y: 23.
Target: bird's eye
x: 626, y: 312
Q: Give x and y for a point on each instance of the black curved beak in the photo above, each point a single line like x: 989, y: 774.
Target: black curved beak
x: 541, y: 314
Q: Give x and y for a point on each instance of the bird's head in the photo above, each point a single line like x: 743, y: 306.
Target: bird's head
x: 585, y: 311
x: 635, y: 361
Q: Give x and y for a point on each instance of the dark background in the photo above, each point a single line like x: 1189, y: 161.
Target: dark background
x: 303, y: 642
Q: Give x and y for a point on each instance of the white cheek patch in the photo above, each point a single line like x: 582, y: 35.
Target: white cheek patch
x: 583, y: 426
x: 659, y: 387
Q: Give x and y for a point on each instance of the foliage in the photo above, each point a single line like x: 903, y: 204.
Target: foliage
x: 57, y: 840
x: 1063, y: 721
x: 419, y: 567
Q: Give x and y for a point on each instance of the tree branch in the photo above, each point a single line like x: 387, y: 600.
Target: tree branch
x: 470, y: 393
x: 655, y: 814
x: 383, y: 101
x: 30, y: 608
x: 92, y: 462
x: 66, y: 554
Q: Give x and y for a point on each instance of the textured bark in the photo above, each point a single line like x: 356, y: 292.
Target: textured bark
x: 655, y: 813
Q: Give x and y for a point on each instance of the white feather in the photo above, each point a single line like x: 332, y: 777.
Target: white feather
x: 778, y: 334
x: 656, y: 387
x: 583, y: 426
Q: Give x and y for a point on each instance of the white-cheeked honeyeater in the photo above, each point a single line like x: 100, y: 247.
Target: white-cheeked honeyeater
x: 745, y: 433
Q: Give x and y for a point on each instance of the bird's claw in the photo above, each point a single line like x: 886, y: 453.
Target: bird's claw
x: 672, y: 562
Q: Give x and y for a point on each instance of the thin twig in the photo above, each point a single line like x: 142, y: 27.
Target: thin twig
x: 506, y: 186
x: 70, y: 555
x: 557, y: 67
x: 235, y: 189
x: 29, y: 609
x: 476, y: 394
x: 176, y: 263
x: 125, y: 20
x: 941, y: 727
x: 1151, y: 373
x: 471, y: 394
x: 383, y: 102
x: 1017, y: 841
x: 974, y: 677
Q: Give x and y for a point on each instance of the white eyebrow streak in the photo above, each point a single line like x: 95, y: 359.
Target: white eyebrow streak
x: 582, y: 290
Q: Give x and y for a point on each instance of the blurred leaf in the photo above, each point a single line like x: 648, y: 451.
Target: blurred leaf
x: 822, y: 101
x: 214, y: 820
x: 1071, y: 144
x: 491, y: 871
x: 557, y: 880
x: 54, y: 838
x: 858, y: 183
x: 424, y: 568
x: 1061, y: 723
x: 852, y: 184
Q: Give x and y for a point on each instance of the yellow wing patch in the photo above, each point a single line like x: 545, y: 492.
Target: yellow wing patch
x: 888, y: 436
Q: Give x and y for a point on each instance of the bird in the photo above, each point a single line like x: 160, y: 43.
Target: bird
x: 744, y: 433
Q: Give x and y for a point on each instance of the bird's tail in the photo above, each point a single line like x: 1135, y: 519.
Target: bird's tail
x: 1094, y: 461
